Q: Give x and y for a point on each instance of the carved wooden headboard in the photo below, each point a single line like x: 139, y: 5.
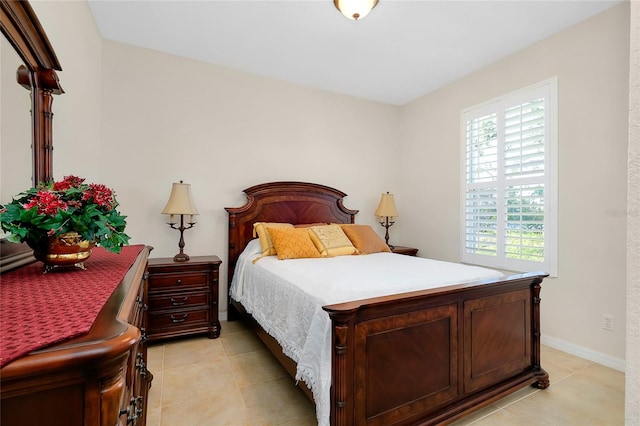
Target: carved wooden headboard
x: 287, y: 202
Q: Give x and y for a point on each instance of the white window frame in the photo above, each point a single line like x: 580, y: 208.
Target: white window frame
x: 549, y: 90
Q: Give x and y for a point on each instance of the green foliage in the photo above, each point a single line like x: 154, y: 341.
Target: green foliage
x: 65, y: 206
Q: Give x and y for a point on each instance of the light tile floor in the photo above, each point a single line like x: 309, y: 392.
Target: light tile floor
x: 234, y: 380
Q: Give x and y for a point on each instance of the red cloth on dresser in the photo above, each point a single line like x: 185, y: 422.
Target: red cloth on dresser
x: 38, y: 310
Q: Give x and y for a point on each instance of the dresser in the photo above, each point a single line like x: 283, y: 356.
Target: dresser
x: 97, y: 378
x: 183, y: 297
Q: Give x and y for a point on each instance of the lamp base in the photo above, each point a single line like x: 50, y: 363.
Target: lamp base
x: 386, y: 224
x: 181, y: 257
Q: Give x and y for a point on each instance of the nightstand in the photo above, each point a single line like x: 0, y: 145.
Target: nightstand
x: 183, y: 297
x: 409, y: 251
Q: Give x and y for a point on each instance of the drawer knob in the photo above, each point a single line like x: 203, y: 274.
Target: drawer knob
x: 141, y: 366
x: 176, y: 302
x: 136, y: 404
x: 178, y: 281
x: 174, y: 319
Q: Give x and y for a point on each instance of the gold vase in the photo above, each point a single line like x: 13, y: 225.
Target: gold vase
x: 64, y: 250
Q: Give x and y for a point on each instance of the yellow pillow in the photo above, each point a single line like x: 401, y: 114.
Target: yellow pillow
x: 365, y: 239
x: 260, y: 229
x: 331, y: 241
x: 292, y: 243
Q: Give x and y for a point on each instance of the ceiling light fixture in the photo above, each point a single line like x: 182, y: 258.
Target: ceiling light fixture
x: 355, y: 9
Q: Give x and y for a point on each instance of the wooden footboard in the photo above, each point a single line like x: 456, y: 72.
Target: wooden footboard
x: 433, y: 356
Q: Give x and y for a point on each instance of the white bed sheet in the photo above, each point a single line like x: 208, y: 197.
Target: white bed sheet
x: 286, y: 298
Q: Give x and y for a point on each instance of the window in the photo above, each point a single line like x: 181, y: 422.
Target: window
x: 509, y: 181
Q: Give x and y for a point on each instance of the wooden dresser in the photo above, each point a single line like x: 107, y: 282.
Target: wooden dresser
x: 99, y: 378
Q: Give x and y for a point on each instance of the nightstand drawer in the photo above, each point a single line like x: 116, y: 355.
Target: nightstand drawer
x: 179, y: 281
x: 173, y: 301
x: 178, y: 319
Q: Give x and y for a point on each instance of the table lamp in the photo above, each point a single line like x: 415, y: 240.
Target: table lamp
x: 180, y: 203
x: 386, y: 211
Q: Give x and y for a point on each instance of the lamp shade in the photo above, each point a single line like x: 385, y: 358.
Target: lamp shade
x: 355, y: 9
x: 180, y: 200
x: 387, y: 206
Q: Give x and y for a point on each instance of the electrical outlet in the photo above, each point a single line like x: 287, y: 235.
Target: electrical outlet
x: 608, y: 322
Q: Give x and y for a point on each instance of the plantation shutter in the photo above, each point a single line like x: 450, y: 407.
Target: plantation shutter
x: 524, y: 137
x: 508, y: 182
x: 481, y: 203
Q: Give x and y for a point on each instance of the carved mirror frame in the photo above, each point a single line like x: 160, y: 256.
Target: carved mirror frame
x: 21, y: 27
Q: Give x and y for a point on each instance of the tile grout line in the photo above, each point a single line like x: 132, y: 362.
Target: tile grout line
x: 161, y: 385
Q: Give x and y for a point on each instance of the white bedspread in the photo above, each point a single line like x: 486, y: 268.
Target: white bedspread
x: 286, y: 298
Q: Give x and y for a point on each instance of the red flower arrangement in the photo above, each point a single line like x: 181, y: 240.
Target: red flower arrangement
x: 69, y: 205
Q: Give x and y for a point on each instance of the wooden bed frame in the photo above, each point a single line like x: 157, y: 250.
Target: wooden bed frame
x: 425, y: 357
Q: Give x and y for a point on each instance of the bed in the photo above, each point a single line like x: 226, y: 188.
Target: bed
x: 427, y: 356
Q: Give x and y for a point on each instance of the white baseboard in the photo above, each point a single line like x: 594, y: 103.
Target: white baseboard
x: 579, y: 351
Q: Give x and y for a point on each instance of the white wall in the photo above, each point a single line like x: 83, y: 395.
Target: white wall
x: 632, y: 394
x: 591, y: 61
x: 166, y: 118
